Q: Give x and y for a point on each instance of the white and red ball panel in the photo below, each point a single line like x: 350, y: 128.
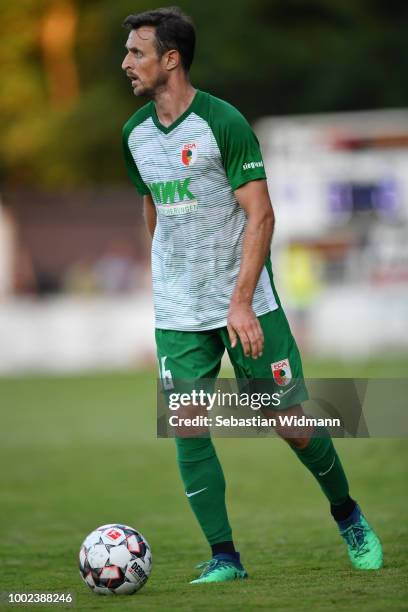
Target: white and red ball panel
x: 113, y: 536
x: 115, y: 559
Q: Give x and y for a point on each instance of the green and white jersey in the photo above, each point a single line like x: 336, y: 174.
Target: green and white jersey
x: 191, y: 169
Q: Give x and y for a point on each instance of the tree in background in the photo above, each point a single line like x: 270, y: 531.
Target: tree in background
x: 64, y: 97
x: 57, y: 39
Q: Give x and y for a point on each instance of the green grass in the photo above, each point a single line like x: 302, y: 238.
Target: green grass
x: 77, y: 452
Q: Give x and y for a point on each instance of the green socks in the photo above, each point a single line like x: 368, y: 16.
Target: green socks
x: 204, y: 482
x: 204, y: 485
x: 322, y: 461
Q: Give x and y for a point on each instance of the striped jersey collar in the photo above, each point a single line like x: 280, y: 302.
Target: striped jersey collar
x: 179, y: 120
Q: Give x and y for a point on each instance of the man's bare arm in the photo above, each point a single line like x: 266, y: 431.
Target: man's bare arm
x: 149, y: 213
x: 242, y: 323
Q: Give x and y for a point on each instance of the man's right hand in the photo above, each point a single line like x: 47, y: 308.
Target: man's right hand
x: 243, y: 324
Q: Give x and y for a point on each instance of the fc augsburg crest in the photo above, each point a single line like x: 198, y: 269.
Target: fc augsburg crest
x: 281, y: 372
x: 189, y: 154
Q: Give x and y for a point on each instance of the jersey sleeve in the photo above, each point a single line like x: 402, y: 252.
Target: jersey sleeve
x: 131, y: 166
x: 239, y: 147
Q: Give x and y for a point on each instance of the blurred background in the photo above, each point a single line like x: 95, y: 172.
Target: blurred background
x: 324, y: 84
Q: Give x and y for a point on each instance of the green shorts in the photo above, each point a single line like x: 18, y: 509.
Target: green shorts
x: 192, y: 356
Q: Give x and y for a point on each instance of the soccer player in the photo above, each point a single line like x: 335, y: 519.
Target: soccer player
x: 198, y: 165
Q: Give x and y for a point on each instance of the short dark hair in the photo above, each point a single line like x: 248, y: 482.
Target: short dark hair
x: 174, y: 30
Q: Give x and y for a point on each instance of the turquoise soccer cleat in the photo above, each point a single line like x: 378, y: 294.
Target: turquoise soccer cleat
x: 364, y: 546
x: 221, y: 568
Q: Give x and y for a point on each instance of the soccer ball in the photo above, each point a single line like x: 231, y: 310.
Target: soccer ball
x: 115, y: 559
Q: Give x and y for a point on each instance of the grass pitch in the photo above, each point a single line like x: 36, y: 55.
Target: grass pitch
x: 77, y: 452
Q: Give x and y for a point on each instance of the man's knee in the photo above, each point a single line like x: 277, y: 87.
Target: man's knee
x: 190, y: 421
x: 297, y: 436
x: 298, y: 443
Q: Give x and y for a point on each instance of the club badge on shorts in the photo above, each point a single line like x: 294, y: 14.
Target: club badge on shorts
x: 282, y: 374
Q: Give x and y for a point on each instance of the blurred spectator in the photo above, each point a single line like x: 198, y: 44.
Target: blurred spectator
x: 25, y: 280
x: 301, y: 278
x: 115, y: 271
x: 80, y: 277
x: 7, y: 252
